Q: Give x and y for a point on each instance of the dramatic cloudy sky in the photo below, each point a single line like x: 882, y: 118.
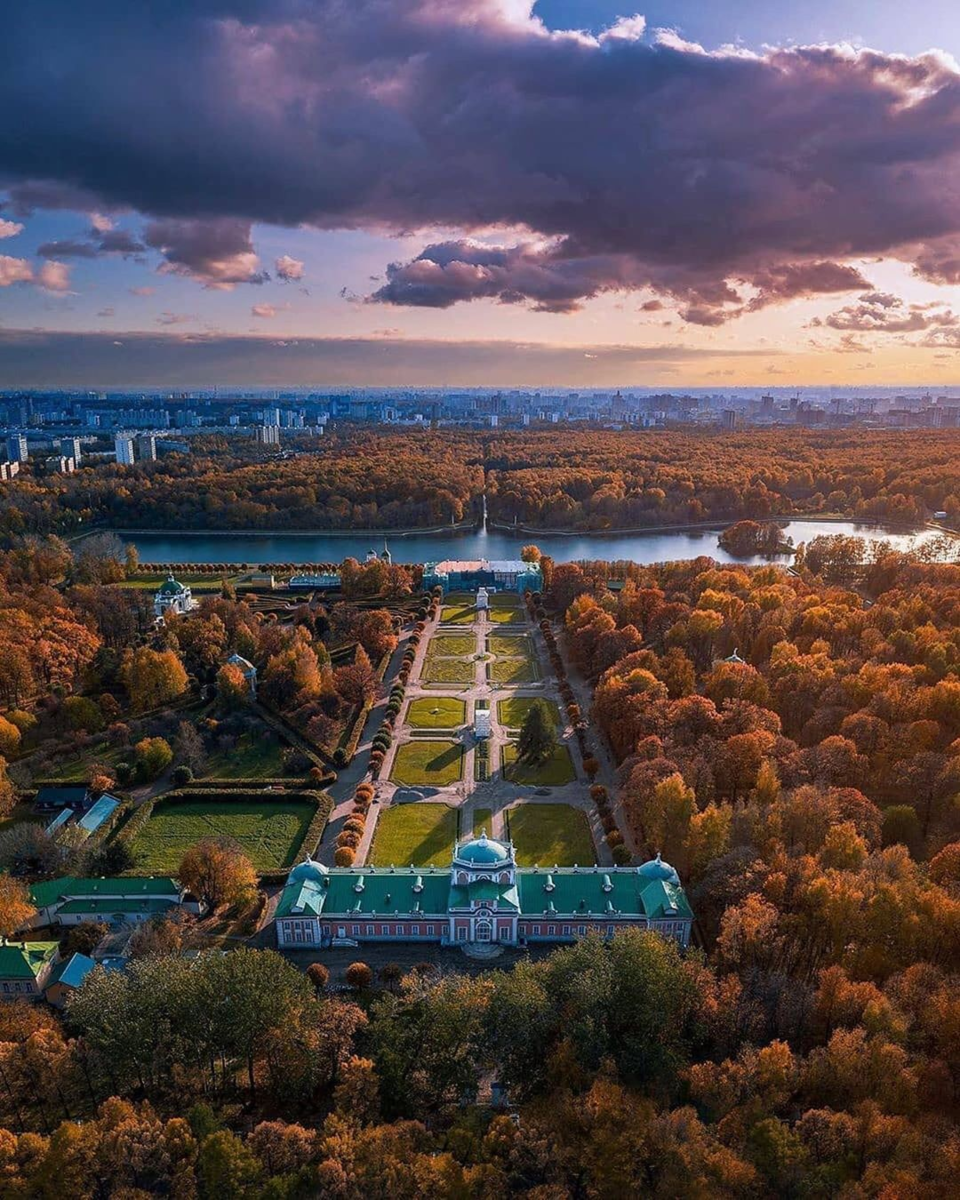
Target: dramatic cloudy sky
x: 464, y: 191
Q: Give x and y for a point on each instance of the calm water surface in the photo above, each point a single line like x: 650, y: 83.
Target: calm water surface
x: 256, y: 547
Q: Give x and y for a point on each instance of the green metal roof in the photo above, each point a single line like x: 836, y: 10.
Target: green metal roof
x: 314, y: 890
x: 107, y: 906
x: 598, y: 890
x: 171, y: 587
x: 502, y: 894
x: 367, y: 890
x: 70, y: 887
x: 25, y: 960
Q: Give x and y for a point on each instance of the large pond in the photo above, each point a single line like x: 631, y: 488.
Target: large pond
x: 255, y: 547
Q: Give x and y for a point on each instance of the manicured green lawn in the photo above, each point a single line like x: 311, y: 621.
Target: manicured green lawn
x: 417, y: 834
x: 448, y: 670
x: 550, y: 835
x: 255, y: 756
x: 513, y: 670
x: 556, y: 771
x: 441, y: 712
x: 452, y: 645
x: 428, y: 761
x: 482, y: 822
x: 505, y: 600
x: 458, y: 615
x: 511, y: 713
x: 269, y: 832
x: 507, y: 645
x: 504, y: 616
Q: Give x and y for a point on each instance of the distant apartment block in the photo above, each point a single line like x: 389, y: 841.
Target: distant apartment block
x: 17, y: 448
x: 146, y: 447
x: 61, y: 464
x: 70, y: 448
x: 268, y: 435
x: 123, y: 444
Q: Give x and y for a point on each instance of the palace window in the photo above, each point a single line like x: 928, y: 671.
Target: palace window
x: 566, y: 931
x: 430, y: 931
x: 581, y: 929
x: 551, y: 931
x: 415, y: 930
x: 461, y: 934
x: 370, y: 931
x: 355, y: 930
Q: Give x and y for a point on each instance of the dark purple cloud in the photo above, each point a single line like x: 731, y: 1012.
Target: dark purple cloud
x: 882, y: 312
x: 717, y: 179
x: 217, y: 252
x: 101, y: 241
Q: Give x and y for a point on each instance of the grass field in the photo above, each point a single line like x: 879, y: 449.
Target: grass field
x: 452, y: 645
x: 433, y: 762
x: 448, y: 670
x: 505, y: 616
x: 255, y: 756
x: 441, y: 712
x: 511, y: 713
x: 555, y: 772
x: 513, y: 670
x: 550, y: 835
x: 460, y: 614
x: 203, y: 583
x: 269, y: 832
x: 510, y: 645
x: 418, y: 834
x: 482, y: 822
x: 505, y: 600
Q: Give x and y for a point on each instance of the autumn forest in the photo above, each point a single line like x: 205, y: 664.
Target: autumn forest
x: 558, y: 479
x: 788, y: 739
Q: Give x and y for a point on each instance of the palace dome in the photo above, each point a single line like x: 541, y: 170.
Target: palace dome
x: 483, y: 852
x: 307, y: 870
x: 656, y: 868
x: 171, y: 587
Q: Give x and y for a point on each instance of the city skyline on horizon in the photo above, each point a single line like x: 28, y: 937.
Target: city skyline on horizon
x: 287, y: 193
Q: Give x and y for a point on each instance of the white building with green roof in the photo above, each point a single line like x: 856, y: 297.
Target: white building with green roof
x: 483, y: 898
x: 174, y: 597
x: 126, y: 900
x: 25, y: 968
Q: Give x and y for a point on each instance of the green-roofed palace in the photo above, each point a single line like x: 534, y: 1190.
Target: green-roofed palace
x: 481, y: 898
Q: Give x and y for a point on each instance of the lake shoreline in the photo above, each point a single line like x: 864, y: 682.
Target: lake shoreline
x: 714, y: 526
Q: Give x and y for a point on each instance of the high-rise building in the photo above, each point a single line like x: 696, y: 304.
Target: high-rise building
x: 70, y: 448
x: 123, y: 444
x: 17, y: 448
x: 146, y: 447
x: 268, y: 435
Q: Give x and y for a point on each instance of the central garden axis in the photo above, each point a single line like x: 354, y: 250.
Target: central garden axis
x: 482, y: 833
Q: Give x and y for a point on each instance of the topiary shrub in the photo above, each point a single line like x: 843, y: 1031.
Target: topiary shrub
x: 182, y: 775
x: 344, y: 856
x: 622, y: 856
